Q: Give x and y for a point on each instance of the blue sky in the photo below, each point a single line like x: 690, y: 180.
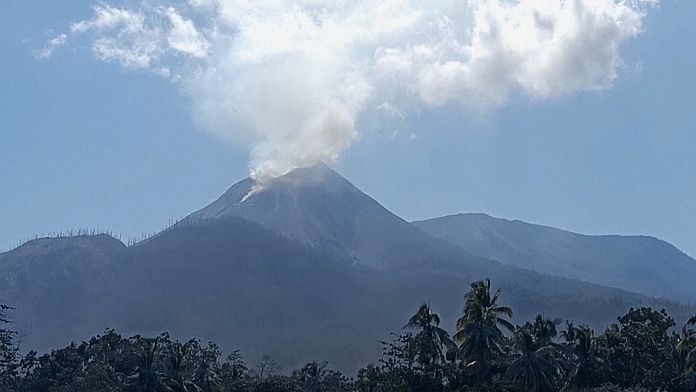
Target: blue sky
x: 84, y: 143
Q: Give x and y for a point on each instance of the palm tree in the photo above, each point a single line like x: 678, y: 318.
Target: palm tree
x: 537, y: 366
x: 544, y: 330
x: 478, y: 335
x: 584, y: 362
x: 431, y: 339
x: 687, y: 346
x: 570, y: 334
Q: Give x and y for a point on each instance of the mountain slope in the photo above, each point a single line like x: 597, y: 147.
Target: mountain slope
x: 318, y: 207
x: 310, y: 269
x: 636, y: 263
x: 238, y: 284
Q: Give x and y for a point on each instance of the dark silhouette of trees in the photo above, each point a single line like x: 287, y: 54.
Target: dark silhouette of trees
x: 537, y: 360
x: 179, y: 366
x: 147, y: 376
x: 638, y: 353
x: 317, y: 377
x: 641, y: 349
x: 234, y: 373
x: 8, y: 352
x: 585, y: 361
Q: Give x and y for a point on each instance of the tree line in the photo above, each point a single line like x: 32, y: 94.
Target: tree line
x: 640, y: 352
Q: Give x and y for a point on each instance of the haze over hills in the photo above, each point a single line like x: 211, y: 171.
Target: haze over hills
x: 308, y: 268
x: 641, y: 264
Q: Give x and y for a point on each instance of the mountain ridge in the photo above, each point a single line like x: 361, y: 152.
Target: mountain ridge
x: 636, y: 263
x: 544, y: 226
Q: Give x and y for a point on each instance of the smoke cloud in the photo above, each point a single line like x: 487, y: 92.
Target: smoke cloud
x: 290, y: 79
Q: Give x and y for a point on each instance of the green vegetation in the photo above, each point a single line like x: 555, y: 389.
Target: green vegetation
x: 487, y: 353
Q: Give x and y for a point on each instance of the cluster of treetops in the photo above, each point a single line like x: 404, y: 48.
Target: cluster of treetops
x: 641, y: 352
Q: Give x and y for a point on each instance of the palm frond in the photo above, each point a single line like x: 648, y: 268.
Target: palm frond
x: 436, y: 319
x: 508, y: 325
x: 506, y: 310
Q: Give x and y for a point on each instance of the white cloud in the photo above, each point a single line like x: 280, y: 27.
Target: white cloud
x: 292, y: 78
x: 143, y: 38
x: 121, y: 35
x: 53, y: 45
x: 107, y: 17
x: 184, y: 37
x: 545, y: 48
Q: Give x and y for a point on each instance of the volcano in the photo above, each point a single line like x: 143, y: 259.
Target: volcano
x: 321, y: 209
x: 308, y: 267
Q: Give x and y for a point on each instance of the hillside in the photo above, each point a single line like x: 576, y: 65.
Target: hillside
x: 640, y: 264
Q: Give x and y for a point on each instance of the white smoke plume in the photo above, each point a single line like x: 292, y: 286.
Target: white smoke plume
x: 291, y: 78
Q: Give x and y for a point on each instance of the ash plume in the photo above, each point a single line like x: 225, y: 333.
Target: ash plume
x: 290, y: 79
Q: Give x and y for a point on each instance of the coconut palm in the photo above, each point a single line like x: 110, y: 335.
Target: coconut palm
x: 570, y: 334
x: 431, y: 340
x: 478, y: 334
x: 544, y: 330
x: 537, y: 365
x: 583, y: 358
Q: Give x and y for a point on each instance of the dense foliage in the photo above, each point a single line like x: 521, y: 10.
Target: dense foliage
x: 487, y: 353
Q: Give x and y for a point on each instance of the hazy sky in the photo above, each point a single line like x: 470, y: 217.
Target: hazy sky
x: 92, y: 135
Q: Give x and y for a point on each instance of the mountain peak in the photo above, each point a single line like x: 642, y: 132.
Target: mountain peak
x: 318, y: 174
x: 318, y: 207
x: 318, y: 177
x: 313, y: 169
